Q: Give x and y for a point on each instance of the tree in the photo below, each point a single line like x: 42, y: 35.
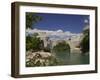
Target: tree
x: 31, y: 19
x: 28, y: 43
x: 86, y: 32
x: 34, y: 43
x: 62, y: 46
x: 85, y: 42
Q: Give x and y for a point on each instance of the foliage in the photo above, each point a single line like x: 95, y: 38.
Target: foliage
x: 62, y: 46
x: 31, y: 19
x: 28, y: 43
x: 85, y: 42
x: 86, y: 32
x: 33, y: 43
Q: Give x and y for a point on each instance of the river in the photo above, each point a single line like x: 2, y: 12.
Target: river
x: 66, y: 58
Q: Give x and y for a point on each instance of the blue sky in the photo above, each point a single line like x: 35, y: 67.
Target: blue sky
x: 65, y: 22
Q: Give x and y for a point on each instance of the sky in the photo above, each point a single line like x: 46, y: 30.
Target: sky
x: 64, y: 22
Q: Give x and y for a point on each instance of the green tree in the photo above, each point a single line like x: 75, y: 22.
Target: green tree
x: 62, y: 46
x: 34, y: 43
x: 28, y: 42
x: 32, y: 19
x: 86, y: 32
x: 85, y: 42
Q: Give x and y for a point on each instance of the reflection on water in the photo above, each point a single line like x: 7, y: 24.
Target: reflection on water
x: 65, y: 58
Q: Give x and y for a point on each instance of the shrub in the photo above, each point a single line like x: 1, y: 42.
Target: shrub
x: 85, y: 42
x: 62, y: 46
x: 33, y: 43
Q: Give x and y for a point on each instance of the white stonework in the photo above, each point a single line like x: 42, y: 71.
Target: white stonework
x: 73, y: 40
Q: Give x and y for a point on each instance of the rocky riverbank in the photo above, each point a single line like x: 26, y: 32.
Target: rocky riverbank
x: 40, y: 58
